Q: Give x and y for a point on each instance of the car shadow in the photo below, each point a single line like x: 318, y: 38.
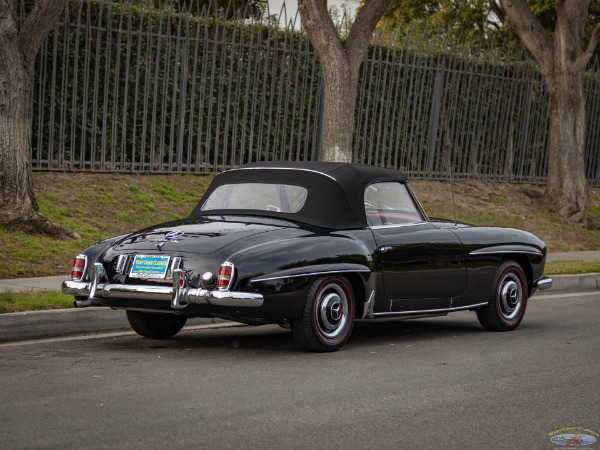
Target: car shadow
x: 270, y: 339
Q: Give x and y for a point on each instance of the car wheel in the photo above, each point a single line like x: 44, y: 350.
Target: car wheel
x: 328, y: 317
x: 155, y: 326
x: 507, y: 306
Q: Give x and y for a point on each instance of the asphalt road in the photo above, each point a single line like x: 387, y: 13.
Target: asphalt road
x: 440, y: 383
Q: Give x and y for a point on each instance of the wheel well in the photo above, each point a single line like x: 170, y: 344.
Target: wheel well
x: 525, y: 265
x: 358, y: 286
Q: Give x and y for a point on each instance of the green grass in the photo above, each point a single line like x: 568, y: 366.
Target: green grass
x: 11, y: 302
x: 572, y: 267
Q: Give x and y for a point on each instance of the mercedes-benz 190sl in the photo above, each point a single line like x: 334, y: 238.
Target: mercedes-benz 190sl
x: 311, y: 245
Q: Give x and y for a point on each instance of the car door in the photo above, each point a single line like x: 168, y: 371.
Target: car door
x: 422, y: 266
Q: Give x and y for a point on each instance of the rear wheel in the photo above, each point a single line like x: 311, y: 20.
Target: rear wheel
x: 506, y: 308
x: 328, y: 316
x: 155, y: 326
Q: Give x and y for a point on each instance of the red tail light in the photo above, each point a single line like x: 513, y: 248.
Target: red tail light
x: 225, y: 275
x: 79, y: 266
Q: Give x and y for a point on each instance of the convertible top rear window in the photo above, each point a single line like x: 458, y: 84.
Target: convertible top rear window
x: 284, y: 198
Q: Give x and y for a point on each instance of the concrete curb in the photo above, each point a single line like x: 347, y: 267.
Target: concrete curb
x: 581, y: 282
x: 63, y: 322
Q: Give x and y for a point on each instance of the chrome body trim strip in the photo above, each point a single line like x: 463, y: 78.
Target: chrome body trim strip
x: 543, y: 283
x: 427, y: 311
x: 398, y: 225
x: 503, y: 251
x: 283, y: 168
x: 308, y: 274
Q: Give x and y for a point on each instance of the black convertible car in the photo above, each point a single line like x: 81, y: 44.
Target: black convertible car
x: 315, y: 246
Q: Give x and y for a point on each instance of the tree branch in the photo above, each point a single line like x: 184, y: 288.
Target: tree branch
x: 362, y: 31
x: 320, y: 28
x: 498, y: 10
x: 530, y: 31
x: 38, y: 24
x: 583, y: 59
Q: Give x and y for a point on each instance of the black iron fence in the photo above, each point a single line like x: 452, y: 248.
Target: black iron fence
x: 127, y: 88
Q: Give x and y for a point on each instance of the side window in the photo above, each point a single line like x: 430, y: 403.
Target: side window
x: 390, y: 204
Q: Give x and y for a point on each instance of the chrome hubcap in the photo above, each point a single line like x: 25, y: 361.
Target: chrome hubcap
x: 511, y: 296
x: 332, y: 311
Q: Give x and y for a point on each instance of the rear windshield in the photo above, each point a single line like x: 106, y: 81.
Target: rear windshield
x: 284, y: 198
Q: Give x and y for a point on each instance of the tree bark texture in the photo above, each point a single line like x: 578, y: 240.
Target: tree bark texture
x: 18, y: 48
x: 340, y: 64
x: 562, y: 59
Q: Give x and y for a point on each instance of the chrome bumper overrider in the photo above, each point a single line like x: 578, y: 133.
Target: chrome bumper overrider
x: 179, y: 297
x: 543, y: 283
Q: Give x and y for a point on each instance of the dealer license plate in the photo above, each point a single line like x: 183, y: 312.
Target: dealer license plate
x: 149, y: 266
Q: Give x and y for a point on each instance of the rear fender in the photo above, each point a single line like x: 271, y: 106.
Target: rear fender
x: 304, y: 257
x: 94, y: 252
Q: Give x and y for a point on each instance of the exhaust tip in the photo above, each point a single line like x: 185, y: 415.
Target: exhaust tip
x: 82, y: 303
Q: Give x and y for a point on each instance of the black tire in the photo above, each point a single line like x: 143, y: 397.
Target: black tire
x: 507, y: 305
x: 155, y: 326
x: 328, y: 316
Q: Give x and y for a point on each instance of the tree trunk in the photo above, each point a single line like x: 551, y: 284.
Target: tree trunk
x: 562, y: 59
x: 339, y: 99
x: 18, y: 207
x: 340, y: 64
x: 566, y: 182
x: 16, y: 187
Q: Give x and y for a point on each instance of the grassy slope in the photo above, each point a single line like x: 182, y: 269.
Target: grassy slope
x: 100, y: 205
x: 96, y: 206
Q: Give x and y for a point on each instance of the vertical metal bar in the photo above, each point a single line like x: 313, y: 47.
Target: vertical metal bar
x: 106, y: 87
x: 83, y: 149
x: 98, y: 158
x: 116, y: 97
x: 136, y: 162
x: 147, y: 61
x: 55, y: 71
x: 39, y: 85
x: 74, y: 106
x: 434, y: 119
x: 193, y: 161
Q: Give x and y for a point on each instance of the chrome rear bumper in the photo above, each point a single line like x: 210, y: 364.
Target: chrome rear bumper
x: 179, y: 297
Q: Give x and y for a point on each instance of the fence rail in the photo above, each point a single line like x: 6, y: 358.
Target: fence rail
x: 124, y: 88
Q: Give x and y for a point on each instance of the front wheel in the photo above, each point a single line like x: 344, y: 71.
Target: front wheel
x: 328, y: 317
x: 155, y: 326
x: 506, y: 308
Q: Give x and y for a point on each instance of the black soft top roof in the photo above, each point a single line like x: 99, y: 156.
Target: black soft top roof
x: 335, y: 190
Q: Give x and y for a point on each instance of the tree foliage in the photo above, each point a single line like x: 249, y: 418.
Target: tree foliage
x: 474, y: 20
